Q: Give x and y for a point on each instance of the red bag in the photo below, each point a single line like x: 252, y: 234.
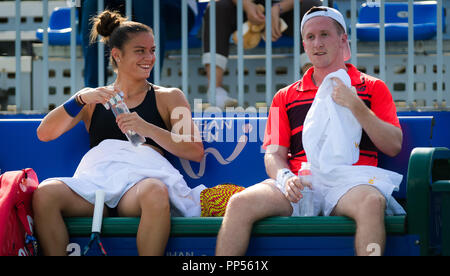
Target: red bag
x: 16, y: 215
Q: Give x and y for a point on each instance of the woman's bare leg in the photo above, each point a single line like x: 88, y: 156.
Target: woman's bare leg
x: 51, y: 202
x: 148, y: 199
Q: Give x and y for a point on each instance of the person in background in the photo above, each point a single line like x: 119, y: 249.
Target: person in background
x: 226, y: 17
x: 142, y: 11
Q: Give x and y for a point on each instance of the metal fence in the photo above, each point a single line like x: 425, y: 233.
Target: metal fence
x: 385, y: 62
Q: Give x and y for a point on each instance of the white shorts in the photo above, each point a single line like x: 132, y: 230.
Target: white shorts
x: 325, y: 199
x: 318, y: 198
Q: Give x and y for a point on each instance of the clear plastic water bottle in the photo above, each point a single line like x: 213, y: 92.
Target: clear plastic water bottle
x: 118, y: 106
x: 306, y: 203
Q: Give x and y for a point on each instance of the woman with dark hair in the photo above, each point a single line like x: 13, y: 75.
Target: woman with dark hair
x: 142, y: 183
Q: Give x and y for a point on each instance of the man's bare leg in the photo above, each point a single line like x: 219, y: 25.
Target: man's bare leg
x: 366, y: 205
x: 245, y: 208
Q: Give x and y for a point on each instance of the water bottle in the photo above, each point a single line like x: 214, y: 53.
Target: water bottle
x: 118, y: 106
x: 306, y: 203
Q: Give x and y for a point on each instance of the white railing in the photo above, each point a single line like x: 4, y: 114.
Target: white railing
x: 18, y: 51
x: 270, y: 90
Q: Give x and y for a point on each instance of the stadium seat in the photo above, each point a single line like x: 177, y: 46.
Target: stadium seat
x: 59, y: 28
x: 194, y: 39
x: 396, y: 18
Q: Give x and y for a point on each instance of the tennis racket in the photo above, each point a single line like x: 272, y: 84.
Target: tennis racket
x: 96, y: 224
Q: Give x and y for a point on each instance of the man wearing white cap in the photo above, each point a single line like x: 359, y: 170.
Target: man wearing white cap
x: 326, y: 43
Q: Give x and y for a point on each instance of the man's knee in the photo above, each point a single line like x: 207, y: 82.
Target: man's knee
x: 242, y: 205
x: 258, y: 202
x: 372, y: 206
x: 236, y: 203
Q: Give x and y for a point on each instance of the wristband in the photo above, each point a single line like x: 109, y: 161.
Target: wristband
x: 282, y: 176
x: 80, y: 100
x: 72, y: 107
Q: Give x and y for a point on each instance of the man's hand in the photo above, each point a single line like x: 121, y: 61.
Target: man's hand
x: 344, y: 95
x: 385, y: 136
x: 294, y: 188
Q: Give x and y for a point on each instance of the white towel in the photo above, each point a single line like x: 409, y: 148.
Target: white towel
x: 331, y: 137
x: 115, y: 166
x: 331, y: 134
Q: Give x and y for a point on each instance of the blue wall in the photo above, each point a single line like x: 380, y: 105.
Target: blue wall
x: 441, y: 130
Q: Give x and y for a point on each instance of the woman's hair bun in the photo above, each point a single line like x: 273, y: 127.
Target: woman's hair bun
x: 115, y: 30
x: 105, y: 23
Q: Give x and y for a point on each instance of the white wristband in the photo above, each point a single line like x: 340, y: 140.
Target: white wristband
x: 282, y: 176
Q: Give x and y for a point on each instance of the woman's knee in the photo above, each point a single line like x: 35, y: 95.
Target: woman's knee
x: 48, y: 195
x: 153, y: 193
x: 56, y: 196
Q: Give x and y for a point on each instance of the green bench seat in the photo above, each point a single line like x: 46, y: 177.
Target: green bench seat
x: 274, y: 226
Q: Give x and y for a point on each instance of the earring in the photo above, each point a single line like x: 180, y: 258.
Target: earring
x: 118, y: 60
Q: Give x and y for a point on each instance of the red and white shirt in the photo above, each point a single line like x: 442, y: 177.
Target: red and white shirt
x: 291, y: 104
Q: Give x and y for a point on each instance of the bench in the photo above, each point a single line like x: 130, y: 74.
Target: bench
x: 234, y: 154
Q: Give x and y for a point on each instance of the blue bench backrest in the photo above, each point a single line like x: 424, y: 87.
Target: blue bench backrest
x: 232, y: 146
x: 20, y: 148
x: 232, y: 151
x: 417, y: 132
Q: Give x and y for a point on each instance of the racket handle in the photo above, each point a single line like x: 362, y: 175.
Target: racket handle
x: 98, y: 211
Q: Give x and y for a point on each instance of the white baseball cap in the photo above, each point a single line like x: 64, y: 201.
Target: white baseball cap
x: 333, y: 14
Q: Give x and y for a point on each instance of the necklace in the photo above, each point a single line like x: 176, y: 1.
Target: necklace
x: 144, y: 89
